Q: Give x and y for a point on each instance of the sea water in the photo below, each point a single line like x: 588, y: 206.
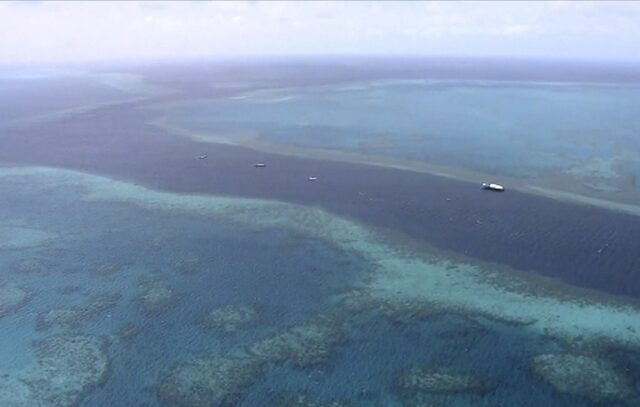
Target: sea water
x: 75, y: 241
x: 588, y: 132
x: 112, y: 247
x: 286, y: 277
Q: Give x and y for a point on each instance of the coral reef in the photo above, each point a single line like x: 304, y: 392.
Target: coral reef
x: 67, y: 367
x: 209, y: 383
x: 220, y: 381
x: 438, y: 381
x: 107, y: 270
x: 357, y: 301
x: 12, y: 298
x: 65, y: 370
x: 421, y: 403
x: 30, y: 265
x: 591, y: 377
x: 303, y: 345
x: 399, y: 272
x: 73, y: 317
x: 230, y: 319
x: 19, y: 237
x: 129, y: 332
x: 301, y: 400
x: 157, y: 298
x: 70, y: 289
x: 15, y: 393
x: 189, y: 265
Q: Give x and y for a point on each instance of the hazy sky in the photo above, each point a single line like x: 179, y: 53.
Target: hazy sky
x: 61, y: 31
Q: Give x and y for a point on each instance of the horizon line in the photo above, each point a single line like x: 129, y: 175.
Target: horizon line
x: 300, y: 57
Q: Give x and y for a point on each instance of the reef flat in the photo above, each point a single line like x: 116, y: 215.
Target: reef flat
x: 230, y: 319
x: 18, y: 237
x: 206, y: 383
x: 449, y: 284
x: 477, y: 116
x: 73, y: 317
x: 250, y: 140
x: 157, y: 298
x: 436, y: 381
x: 11, y: 298
x: 300, y: 400
x: 165, y: 280
x: 65, y: 369
x: 520, y: 230
x: 591, y: 377
x: 221, y: 381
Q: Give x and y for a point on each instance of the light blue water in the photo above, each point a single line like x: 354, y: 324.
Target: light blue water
x: 287, y: 277
x: 274, y: 271
x: 519, y: 129
x: 116, y: 249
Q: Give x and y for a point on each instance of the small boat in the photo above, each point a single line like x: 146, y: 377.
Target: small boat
x: 202, y: 157
x: 313, y: 178
x: 493, y: 187
x: 259, y: 165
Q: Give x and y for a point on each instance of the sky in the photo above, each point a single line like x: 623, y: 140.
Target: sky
x: 43, y: 32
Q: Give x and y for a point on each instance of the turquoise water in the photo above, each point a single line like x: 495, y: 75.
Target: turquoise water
x: 120, y: 251
x: 124, y: 251
x: 586, y: 132
x: 113, y: 293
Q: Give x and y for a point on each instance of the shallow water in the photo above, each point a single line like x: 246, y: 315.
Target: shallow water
x: 286, y: 277
x: 588, y: 132
x: 210, y: 263
x: 334, y: 291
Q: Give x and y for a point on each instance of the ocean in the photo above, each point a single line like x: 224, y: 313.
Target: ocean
x: 135, y: 274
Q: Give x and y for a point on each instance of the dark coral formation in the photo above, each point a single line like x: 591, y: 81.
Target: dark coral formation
x: 189, y: 265
x: 12, y: 298
x: 70, y: 289
x: 30, y: 265
x: 230, y: 319
x: 433, y: 380
x: 65, y: 370
x: 129, y: 332
x: 73, y: 317
x: 357, y: 301
x: 301, y: 400
x: 421, y: 403
x: 157, y: 298
x: 209, y: 383
x: 108, y: 270
x: 220, y: 381
x: 590, y: 377
x: 302, y: 345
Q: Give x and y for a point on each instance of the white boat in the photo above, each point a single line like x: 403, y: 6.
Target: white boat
x: 260, y: 165
x: 493, y: 187
x: 313, y: 178
x: 202, y: 157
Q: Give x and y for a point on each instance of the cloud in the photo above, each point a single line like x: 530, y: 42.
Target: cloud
x: 63, y: 31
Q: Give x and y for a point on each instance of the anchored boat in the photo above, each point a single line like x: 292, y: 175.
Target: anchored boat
x: 493, y: 187
x: 260, y: 165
